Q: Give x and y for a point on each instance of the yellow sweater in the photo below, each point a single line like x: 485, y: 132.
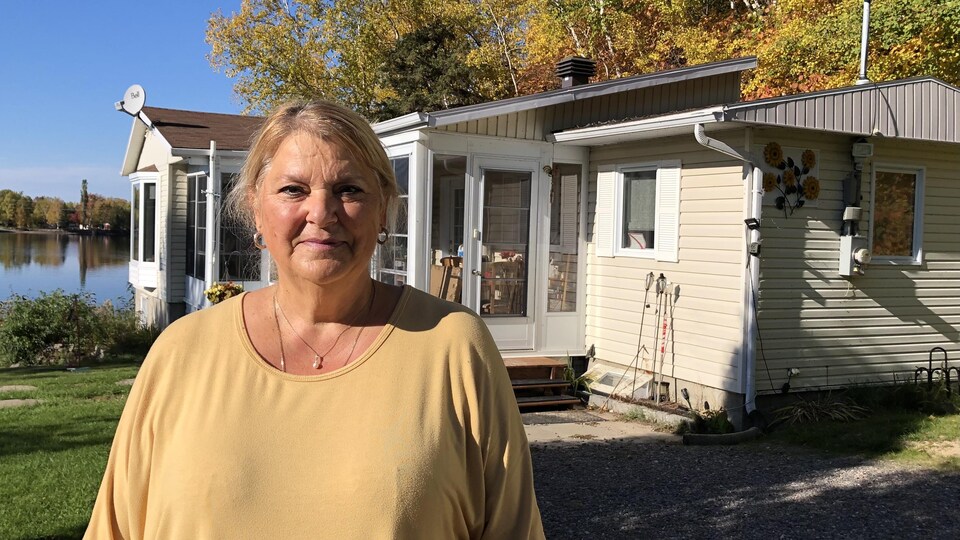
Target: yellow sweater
x: 418, y: 438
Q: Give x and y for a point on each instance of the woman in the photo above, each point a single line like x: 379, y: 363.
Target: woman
x: 328, y: 405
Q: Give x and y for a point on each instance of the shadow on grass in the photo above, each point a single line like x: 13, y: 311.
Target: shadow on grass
x: 56, y: 433
x: 69, y: 534
x: 625, y: 489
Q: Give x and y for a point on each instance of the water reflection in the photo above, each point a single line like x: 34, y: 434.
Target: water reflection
x: 35, y: 262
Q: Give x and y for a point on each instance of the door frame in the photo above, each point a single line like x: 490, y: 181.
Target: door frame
x: 510, y: 333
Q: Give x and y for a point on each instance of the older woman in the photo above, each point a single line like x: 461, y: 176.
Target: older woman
x: 328, y: 405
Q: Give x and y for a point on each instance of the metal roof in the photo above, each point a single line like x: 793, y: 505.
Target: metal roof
x: 921, y: 108
x: 563, y: 95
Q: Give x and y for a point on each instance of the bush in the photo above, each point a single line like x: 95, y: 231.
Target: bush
x: 59, y: 328
x: 712, y: 422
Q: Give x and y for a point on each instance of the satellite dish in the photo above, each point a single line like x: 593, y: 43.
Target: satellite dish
x: 133, y: 100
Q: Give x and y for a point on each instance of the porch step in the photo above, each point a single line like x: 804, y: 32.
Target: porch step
x: 539, y: 381
x: 539, y: 401
x: 529, y: 384
x: 535, y: 367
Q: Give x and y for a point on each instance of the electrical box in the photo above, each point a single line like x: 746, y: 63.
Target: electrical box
x: 862, y: 150
x: 854, y: 255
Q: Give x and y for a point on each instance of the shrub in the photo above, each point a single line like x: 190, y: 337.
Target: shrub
x: 59, y: 328
x: 821, y: 407
x: 712, y: 421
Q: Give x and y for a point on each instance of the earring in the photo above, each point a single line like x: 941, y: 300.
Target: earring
x: 258, y: 240
x: 383, y: 235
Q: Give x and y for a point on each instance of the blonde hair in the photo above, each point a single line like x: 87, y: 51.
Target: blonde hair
x: 326, y: 121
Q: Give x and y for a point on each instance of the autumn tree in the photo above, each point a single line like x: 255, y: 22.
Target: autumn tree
x: 109, y: 212
x: 277, y: 50
x: 49, y: 211
x: 357, y: 51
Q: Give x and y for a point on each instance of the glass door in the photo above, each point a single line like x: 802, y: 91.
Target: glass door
x: 505, y: 243
x: 502, y: 259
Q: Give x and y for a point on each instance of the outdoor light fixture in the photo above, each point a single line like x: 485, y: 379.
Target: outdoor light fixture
x: 752, y: 223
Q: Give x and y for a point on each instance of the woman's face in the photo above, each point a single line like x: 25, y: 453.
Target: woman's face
x: 319, y: 211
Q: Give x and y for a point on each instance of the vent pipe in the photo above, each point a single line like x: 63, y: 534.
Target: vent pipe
x: 575, y: 70
x: 864, y: 38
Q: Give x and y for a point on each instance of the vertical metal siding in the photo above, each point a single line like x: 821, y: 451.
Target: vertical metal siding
x: 926, y: 110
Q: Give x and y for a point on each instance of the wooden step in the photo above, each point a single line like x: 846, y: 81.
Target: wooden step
x: 535, y: 367
x: 538, y: 401
x: 526, y: 384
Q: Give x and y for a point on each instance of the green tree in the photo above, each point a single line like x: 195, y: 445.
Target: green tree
x: 84, y: 208
x: 429, y: 72
x: 12, y: 208
x: 23, y: 213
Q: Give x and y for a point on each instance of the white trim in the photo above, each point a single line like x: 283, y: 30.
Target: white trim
x: 605, y: 213
x: 667, y: 233
x: 921, y: 173
x: 144, y: 274
x: 618, y: 249
x: 625, y: 131
x: 222, y: 154
x: 400, y: 123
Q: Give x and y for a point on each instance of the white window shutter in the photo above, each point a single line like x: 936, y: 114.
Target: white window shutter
x: 668, y: 212
x: 568, y: 213
x: 606, y: 214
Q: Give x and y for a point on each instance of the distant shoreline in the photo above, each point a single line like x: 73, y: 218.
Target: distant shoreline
x: 64, y: 231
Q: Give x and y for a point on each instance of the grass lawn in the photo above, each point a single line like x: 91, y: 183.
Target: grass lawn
x: 52, y: 455
x: 907, y: 437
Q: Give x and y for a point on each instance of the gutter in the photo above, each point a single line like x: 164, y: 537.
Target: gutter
x: 608, y: 133
x: 752, y: 281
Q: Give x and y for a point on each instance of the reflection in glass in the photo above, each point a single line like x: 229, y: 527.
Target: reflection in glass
x: 239, y: 258
x: 446, y: 234
x: 505, y: 237
x: 639, y: 209
x: 149, y: 222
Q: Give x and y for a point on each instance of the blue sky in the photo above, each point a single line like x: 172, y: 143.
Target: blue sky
x: 63, y: 65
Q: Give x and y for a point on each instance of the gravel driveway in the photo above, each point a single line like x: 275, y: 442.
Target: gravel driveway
x: 644, y: 488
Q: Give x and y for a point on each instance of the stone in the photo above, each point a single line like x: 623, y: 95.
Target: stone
x: 11, y: 403
x: 17, y: 388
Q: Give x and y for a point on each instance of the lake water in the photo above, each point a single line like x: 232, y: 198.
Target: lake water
x: 31, y: 263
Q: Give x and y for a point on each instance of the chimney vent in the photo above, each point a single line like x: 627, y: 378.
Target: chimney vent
x: 575, y: 70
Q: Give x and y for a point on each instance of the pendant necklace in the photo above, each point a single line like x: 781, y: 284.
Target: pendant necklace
x: 317, y: 357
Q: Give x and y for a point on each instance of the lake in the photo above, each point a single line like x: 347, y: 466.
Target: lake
x: 34, y: 262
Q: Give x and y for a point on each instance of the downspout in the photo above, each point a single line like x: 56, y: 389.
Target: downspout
x: 755, y: 177
x: 210, y: 265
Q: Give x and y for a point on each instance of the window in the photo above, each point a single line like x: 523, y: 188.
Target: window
x: 196, y: 225
x: 390, y: 263
x: 143, y: 219
x: 638, y: 211
x: 897, y: 212
x: 638, y: 204
x: 564, y: 236
x: 239, y: 258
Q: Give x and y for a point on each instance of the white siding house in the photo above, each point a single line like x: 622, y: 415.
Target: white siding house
x: 554, y: 215
x: 179, y: 244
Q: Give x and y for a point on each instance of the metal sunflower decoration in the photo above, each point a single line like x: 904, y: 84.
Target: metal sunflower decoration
x: 792, y: 179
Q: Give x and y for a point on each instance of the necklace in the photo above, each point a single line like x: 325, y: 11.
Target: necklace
x: 317, y: 357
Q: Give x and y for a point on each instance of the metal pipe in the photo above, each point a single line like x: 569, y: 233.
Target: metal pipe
x: 754, y: 177
x: 864, y: 38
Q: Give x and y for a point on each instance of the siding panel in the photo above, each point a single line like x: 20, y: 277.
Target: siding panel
x: 706, y: 284
x: 868, y: 329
